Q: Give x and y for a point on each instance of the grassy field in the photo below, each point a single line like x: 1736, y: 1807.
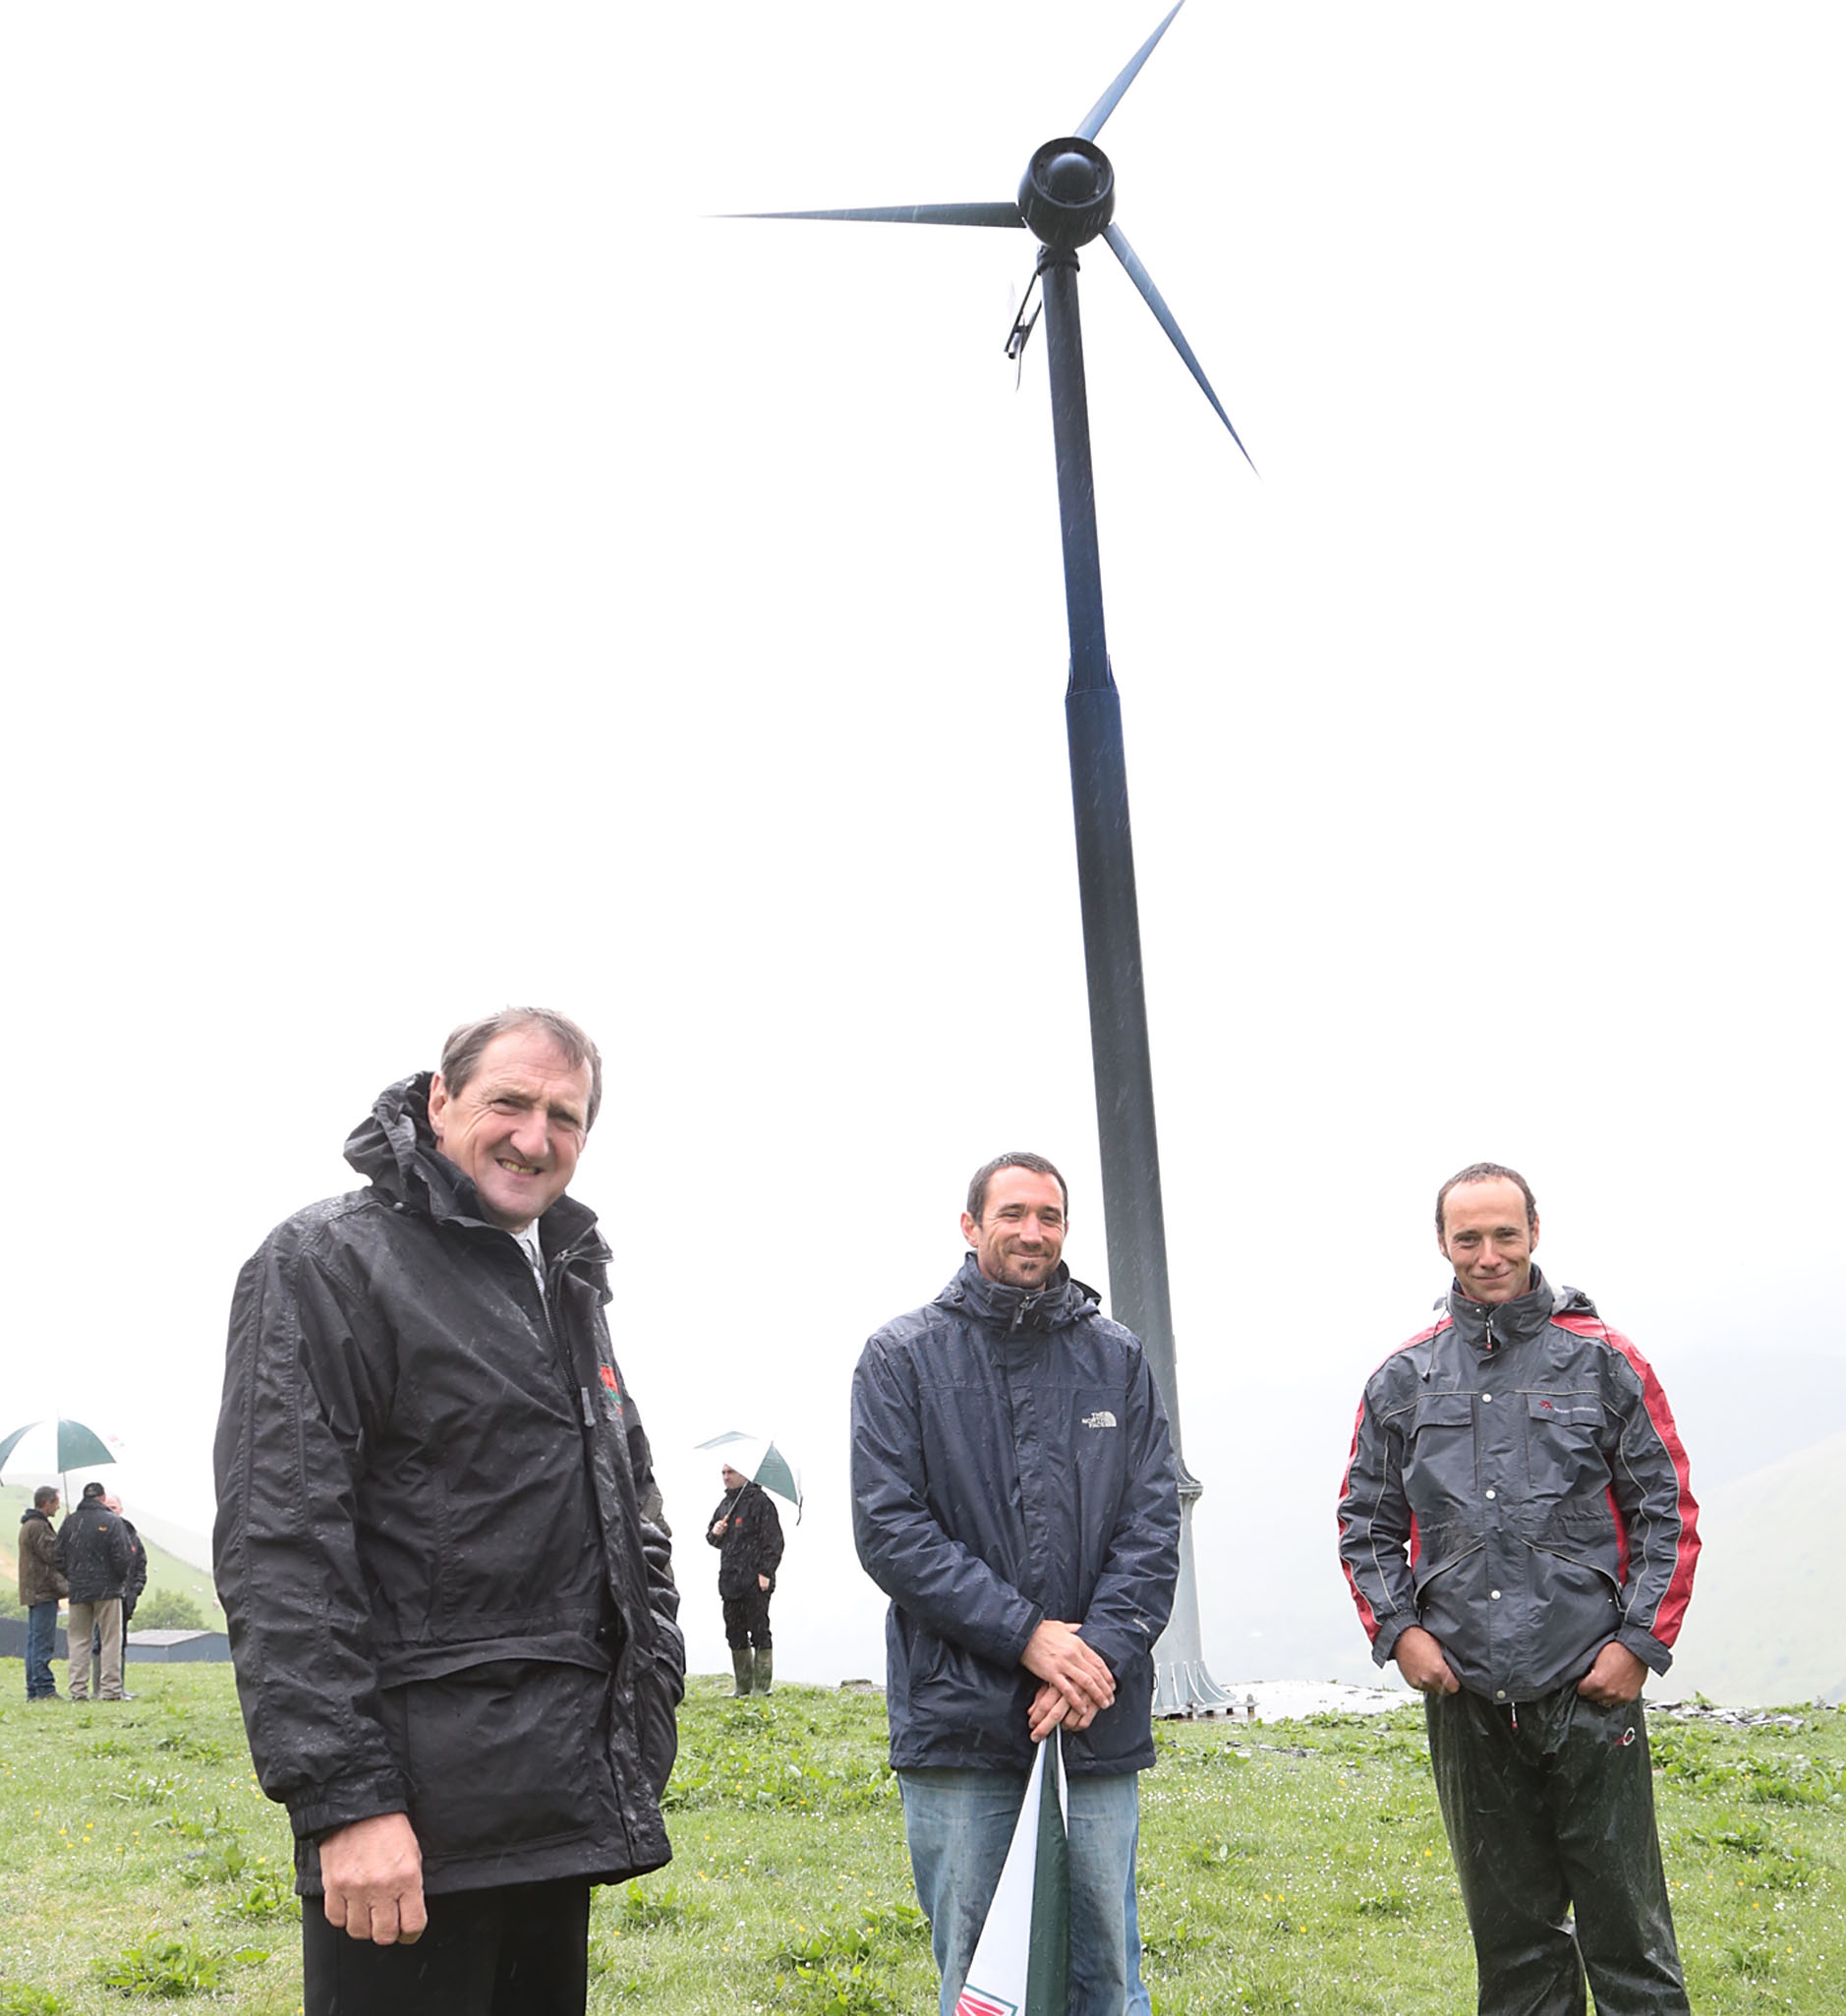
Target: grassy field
x: 1296, y: 1867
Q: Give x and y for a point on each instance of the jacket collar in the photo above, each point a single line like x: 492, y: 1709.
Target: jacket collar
x: 1493, y: 1325
x: 1060, y: 1302
x: 394, y: 1148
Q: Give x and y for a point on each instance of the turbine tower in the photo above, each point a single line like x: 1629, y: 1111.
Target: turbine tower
x: 1067, y: 200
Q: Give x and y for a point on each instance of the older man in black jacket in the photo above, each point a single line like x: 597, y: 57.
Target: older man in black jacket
x: 1014, y: 1493
x: 440, y: 1550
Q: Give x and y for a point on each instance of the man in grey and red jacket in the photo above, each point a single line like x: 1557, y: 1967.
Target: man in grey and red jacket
x: 1519, y: 1533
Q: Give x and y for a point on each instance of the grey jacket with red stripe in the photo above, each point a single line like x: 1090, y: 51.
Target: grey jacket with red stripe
x: 1518, y: 1488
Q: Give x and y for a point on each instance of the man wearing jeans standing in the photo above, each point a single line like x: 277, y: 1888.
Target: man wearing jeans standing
x: 41, y: 1584
x: 1013, y: 1494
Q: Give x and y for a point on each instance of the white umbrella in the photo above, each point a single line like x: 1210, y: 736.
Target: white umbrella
x: 42, y: 1448
x: 757, y: 1458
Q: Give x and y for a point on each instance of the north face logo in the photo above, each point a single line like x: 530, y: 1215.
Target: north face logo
x: 1101, y: 1419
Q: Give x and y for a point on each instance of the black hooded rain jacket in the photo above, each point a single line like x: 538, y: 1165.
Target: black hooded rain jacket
x: 439, y: 1545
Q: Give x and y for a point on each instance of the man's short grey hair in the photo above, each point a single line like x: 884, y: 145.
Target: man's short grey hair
x: 1020, y: 1158
x: 43, y: 1496
x: 1486, y: 1173
x: 462, y: 1052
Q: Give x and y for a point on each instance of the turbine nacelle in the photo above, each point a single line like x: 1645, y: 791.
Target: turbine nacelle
x: 1068, y: 194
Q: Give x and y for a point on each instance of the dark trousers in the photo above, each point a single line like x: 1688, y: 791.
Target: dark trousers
x: 520, y: 1950
x: 1549, y: 1812
x: 41, y: 1639
x: 746, y: 1621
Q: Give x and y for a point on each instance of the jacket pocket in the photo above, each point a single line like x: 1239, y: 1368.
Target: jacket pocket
x: 1439, y: 1450
x: 504, y: 1754
x: 1564, y: 1458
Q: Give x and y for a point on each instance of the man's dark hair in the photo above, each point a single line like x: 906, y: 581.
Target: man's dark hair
x: 462, y: 1052
x: 977, y: 1189
x: 43, y: 1496
x: 1484, y: 1173
x: 92, y: 1489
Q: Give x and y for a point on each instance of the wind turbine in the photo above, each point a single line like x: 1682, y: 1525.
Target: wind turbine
x: 1067, y: 200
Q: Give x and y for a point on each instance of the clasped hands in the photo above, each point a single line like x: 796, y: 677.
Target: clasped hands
x: 1077, y: 1685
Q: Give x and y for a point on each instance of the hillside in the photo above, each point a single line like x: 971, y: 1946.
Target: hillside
x: 1767, y: 1622
x: 164, y: 1570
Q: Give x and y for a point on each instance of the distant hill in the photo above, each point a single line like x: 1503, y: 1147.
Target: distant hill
x: 166, y: 1570
x: 1767, y: 1622
x: 1738, y: 1412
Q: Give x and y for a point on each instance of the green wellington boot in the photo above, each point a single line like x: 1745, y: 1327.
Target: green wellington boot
x: 765, y: 1668
x: 740, y: 1666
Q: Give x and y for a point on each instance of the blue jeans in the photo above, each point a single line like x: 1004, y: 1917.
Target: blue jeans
x: 42, y: 1637
x: 960, y: 1825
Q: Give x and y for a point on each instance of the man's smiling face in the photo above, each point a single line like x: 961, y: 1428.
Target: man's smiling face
x: 1019, y: 1233
x: 516, y: 1127
x: 1487, y: 1237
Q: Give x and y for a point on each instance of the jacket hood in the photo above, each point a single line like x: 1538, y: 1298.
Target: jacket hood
x: 31, y: 1513
x: 393, y: 1149
x: 1493, y: 1325
x: 1060, y: 1302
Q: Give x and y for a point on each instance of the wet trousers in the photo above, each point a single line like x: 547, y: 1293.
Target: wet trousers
x: 960, y: 1825
x: 104, y: 1615
x: 1549, y: 1809
x: 746, y: 1621
x: 519, y: 1950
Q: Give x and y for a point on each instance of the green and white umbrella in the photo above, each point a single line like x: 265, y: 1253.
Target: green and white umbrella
x: 757, y: 1458
x: 41, y: 1447
x: 1021, y: 1965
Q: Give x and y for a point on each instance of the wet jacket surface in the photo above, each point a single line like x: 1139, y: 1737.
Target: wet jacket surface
x: 438, y: 1545
x: 1518, y: 1488
x: 136, y: 1577
x: 751, y: 1543
x: 40, y: 1581
x: 94, y: 1552
x: 1012, y: 1462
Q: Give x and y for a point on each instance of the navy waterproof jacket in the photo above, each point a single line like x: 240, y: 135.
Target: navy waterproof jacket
x: 1012, y: 1462
x: 1518, y: 1488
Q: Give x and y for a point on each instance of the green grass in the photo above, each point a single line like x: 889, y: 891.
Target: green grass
x: 1298, y: 1867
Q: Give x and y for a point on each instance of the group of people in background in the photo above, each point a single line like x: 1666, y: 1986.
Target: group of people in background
x: 422, y: 1401
x: 94, y: 1561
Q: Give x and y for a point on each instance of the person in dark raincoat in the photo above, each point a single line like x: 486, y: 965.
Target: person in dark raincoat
x: 747, y: 1532
x: 1519, y: 1533
x: 1014, y: 1495
x: 94, y: 1555
x: 440, y: 1551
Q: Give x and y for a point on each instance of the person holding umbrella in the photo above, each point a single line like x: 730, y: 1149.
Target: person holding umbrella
x: 748, y: 1532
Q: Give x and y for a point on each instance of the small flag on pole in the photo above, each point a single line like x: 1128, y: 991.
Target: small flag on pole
x: 1021, y: 1965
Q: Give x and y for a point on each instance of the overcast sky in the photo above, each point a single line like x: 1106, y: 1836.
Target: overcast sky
x: 446, y: 564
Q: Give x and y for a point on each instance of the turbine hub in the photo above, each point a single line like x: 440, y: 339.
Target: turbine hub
x: 1068, y: 194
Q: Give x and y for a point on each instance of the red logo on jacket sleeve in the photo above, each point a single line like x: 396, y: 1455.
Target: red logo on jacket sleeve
x: 608, y: 1378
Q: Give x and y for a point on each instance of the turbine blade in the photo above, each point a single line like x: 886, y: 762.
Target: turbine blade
x: 1163, y: 314
x: 1112, y: 98
x: 998, y: 215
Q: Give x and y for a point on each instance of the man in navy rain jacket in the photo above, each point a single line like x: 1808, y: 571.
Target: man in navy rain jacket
x: 1013, y: 1494
x: 1519, y: 1533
